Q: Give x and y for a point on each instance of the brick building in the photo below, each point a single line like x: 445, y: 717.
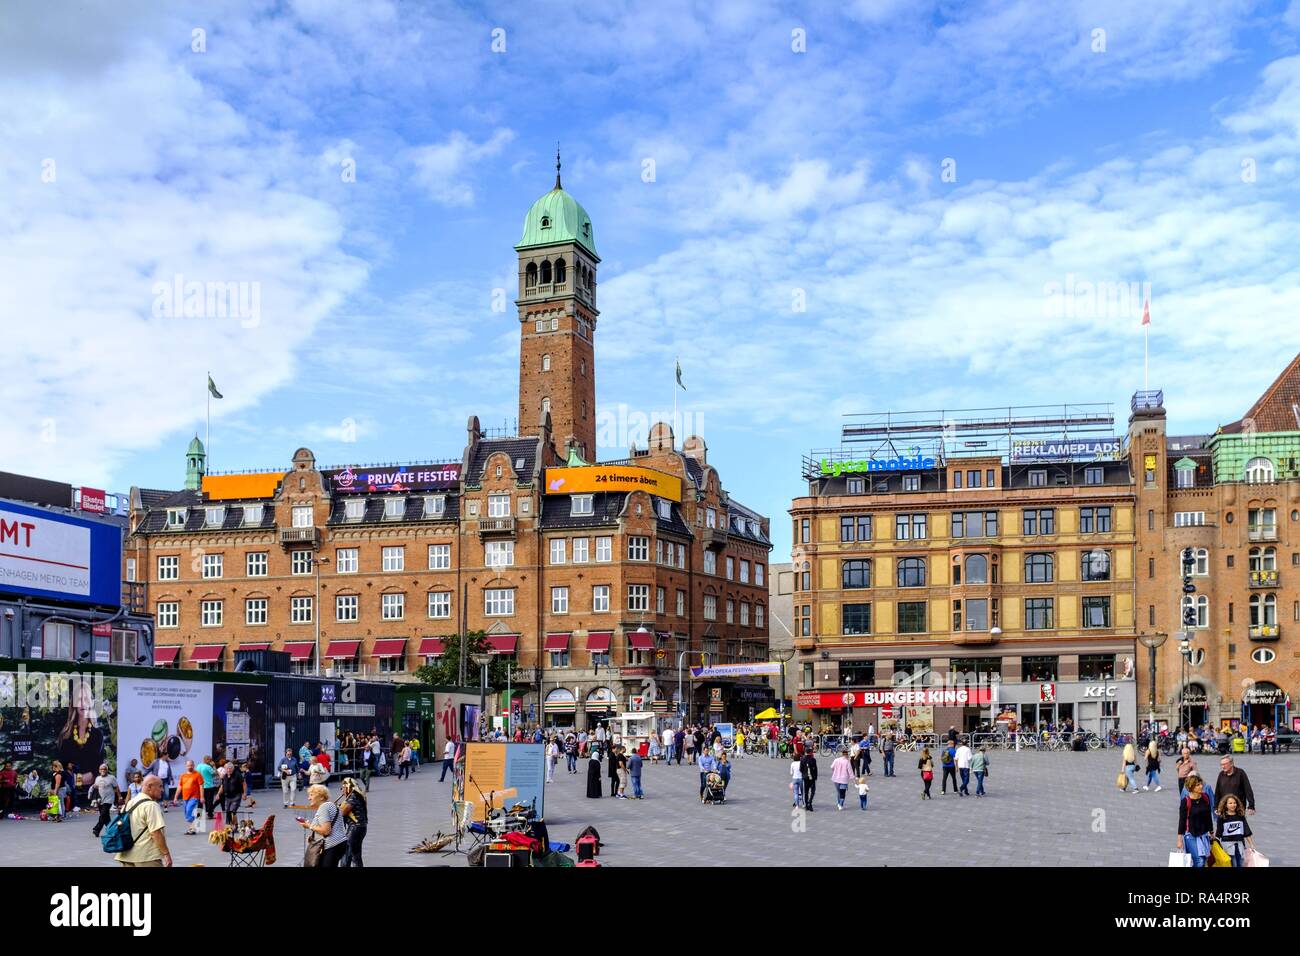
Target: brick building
x: 1005, y: 582
x: 601, y: 597
x: 1233, y: 498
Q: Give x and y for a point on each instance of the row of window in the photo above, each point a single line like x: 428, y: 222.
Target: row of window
x: 1040, y: 568
x: 965, y: 524
x: 1258, y: 471
x: 303, y: 562
x: 1263, y: 610
x: 969, y: 615
x: 57, y: 643
x: 304, y: 516
x: 973, y: 670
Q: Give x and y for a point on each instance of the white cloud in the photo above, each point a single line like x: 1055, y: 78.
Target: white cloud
x: 444, y: 170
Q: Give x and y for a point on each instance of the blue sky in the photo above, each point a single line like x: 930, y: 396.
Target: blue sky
x: 787, y: 166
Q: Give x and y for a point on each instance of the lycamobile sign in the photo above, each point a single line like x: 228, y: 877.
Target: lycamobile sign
x: 912, y: 463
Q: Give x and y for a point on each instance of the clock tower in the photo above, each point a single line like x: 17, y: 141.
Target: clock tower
x: 557, y: 322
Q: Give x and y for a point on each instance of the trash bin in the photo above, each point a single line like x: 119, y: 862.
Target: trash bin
x: 1239, y: 745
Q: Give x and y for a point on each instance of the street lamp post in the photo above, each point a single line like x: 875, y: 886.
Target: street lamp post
x: 1152, y: 642
x: 482, y: 660
x: 785, y: 658
x: 317, y: 562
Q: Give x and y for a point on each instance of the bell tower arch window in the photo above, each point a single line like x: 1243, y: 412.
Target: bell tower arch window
x: 560, y: 271
x: 530, y: 275
x: 546, y: 272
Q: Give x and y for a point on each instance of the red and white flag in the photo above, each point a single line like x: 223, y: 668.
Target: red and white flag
x: 1146, y: 312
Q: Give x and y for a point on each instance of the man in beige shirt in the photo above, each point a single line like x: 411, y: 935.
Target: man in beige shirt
x: 147, y: 826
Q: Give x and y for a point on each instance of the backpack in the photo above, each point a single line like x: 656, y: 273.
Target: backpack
x: 117, y: 836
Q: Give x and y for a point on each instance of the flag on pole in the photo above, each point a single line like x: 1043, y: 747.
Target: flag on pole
x: 212, y: 388
x: 1146, y: 312
x: 679, y: 376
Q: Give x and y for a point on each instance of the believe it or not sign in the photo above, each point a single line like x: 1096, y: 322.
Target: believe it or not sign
x: 433, y: 477
x: 92, y: 499
x: 65, y: 557
x: 1083, y: 449
x: 594, y: 478
x: 905, y: 463
x: 895, y: 697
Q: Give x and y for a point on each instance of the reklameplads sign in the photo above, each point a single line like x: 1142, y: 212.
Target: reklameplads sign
x: 59, y: 557
x: 593, y: 478
x: 906, y: 463
x: 896, y: 697
x: 1086, y: 449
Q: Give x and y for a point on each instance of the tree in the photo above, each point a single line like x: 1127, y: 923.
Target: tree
x: 445, y: 670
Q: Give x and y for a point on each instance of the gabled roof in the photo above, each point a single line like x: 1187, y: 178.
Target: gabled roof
x: 1278, y: 409
x: 522, y: 452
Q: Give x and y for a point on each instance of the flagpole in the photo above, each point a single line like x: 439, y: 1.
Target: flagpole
x: 1146, y: 358
x: 207, y: 428
x: 675, y: 367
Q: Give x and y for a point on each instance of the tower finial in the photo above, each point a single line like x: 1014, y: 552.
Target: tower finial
x: 557, y: 165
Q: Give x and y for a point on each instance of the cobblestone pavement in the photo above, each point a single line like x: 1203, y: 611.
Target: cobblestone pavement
x: 1041, y: 810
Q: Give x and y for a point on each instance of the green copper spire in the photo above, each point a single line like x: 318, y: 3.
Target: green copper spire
x: 196, y: 465
x: 557, y: 217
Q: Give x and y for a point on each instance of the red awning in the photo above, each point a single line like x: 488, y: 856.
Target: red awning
x: 640, y: 642
x: 207, y: 653
x: 337, y: 649
x: 598, y: 641
x: 300, y: 650
x: 503, y: 643
x: 431, y: 646
x: 557, y: 642
x: 389, y: 647
x: 254, y: 647
x: 166, y: 655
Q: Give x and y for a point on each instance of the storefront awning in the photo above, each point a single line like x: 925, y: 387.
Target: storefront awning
x: 254, y: 647
x: 300, y: 650
x: 207, y: 653
x: 557, y: 642
x: 389, y: 647
x: 640, y: 642
x: 431, y: 646
x: 502, y: 643
x: 166, y: 655
x: 598, y: 641
x: 338, y: 649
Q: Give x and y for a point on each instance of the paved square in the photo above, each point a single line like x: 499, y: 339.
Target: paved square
x: 1048, y: 809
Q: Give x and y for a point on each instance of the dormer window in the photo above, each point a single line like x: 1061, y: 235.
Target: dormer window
x: 214, y: 517
x: 176, y: 517
x: 394, y: 507
x: 252, y: 515
x: 586, y: 230
x: 355, y: 509
x: 546, y: 222
x: 581, y: 505
x: 435, y: 506
x: 665, y: 509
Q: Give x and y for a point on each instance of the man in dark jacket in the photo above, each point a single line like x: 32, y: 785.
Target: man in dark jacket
x: 1233, y: 780
x: 808, y: 770
x: 616, y: 759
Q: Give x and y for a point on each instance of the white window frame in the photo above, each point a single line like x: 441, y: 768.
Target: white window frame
x: 435, y: 506
x: 661, y: 600
x: 1260, y: 471
x: 581, y: 550
x: 167, y: 614
x: 559, y: 551
x: 600, y: 598
x: 710, y: 562
x: 392, y: 607
x: 176, y: 517
x: 169, y: 567
x: 638, y: 598
x: 759, y: 574
x: 493, y: 551
x: 393, y: 557
x: 354, y: 509
x: 211, y: 613
x: 214, y: 566
x: 302, y: 516
x: 604, y: 548
x: 257, y: 564
x: 710, y: 607
x: 439, y: 557
x: 302, y: 609
x: 582, y: 505
x: 394, y: 508
x: 559, y: 600
x: 439, y: 605
x: 300, y: 562
x: 347, y: 560
x: 252, y: 515
x: 347, y: 608
x: 255, y: 611
x: 214, y: 517
x: 498, y: 506
x: 499, y: 602
x: 638, y: 548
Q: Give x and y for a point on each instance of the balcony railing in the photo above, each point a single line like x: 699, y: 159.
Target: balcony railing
x: 1264, y: 632
x: 1263, y: 579
x: 1262, y: 532
x: 300, y: 536
x: 714, y: 537
x: 496, y: 526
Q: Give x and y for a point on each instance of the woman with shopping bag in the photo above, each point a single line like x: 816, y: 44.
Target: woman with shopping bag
x: 1232, y: 832
x: 1195, y: 823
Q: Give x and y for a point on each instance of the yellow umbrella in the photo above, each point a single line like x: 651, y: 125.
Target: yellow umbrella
x: 769, y: 714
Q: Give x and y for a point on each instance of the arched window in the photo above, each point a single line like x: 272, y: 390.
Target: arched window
x: 546, y: 363
x: 1201, y: 606
x: 1038, y: 568
x: 911, y: 573
x: 561, y: 272
x: 591, y: 279
x: 1263, y: 610
x: 1259, y: 471
x: 546, y: 406
x: 1202, y: 567
x: 530, y: 275
x: 1263, y: 559
x: 977, y: 569
x: 546, y: 272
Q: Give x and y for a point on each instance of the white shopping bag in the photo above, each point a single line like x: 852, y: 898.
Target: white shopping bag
x: 1255, y: 858
x: 1179, y: 858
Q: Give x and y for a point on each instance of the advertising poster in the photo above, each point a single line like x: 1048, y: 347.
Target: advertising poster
x: 920, y: 720
x: 728, y: 732
x: 49, y: 717
x: 162, y: 718
x: 503, y: 775
x: 239, y: 724
x: 469, y: 722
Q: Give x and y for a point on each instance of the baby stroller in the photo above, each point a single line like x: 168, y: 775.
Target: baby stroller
x: 715, y: 788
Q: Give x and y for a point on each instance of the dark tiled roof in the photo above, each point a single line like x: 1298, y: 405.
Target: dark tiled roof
x: 153, y: 497
x: 1204, y: 468
x: 746, y: 523
x: 676, y: 524
x: 1276, y: 410
x: 516, y: 448
x: 374, y: 513
x: 694, y: 471
x: 606, y: 507
x: 155, y: 519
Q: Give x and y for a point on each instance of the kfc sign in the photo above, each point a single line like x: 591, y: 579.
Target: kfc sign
x: 1100, y: 690
x: 1046, y: 693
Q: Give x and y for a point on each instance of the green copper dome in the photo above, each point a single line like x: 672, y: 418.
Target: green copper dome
x: 196, y: 447
x: 557, y: 217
